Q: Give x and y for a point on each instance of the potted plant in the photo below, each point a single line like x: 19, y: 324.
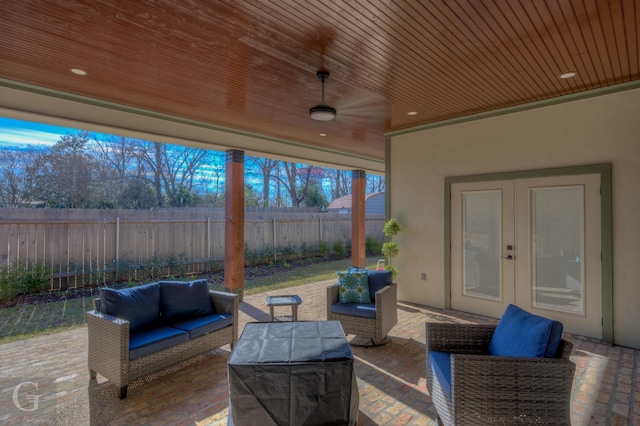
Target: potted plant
x: 389, y: 248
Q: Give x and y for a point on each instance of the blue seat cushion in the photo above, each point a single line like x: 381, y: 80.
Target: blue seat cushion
x: 523, y: 334
x: 145, y: 342
x: 353, y: 287
x: 440, y: 364
x: 203, y: 324
x: 138, y: 305
x: 377, y: 280
x: 364, y: 310
x: 184, y: 299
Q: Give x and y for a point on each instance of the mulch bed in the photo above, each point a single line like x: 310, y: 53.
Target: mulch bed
x: 215, y: 280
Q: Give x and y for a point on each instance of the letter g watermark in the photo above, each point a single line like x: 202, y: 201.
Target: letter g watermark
x: 31, y: 398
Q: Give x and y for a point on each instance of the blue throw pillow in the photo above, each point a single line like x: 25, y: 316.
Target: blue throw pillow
x: 138, y: 305
x: 353, y: 287
x: 181, y: 299
x: 377, y: 279
x: 520, y: 333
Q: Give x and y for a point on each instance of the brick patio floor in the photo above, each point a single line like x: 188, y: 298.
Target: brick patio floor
x: 391, y: 378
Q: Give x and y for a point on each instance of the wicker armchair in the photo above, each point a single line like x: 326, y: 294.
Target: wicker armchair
x: 488, y: 389
x: 375, y: 329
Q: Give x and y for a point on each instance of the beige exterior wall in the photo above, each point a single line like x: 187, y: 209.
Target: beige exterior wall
x: 602, y: 129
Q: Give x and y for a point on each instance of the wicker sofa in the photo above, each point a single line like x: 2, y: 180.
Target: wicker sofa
x: 371, y: 322
x: 136, y: 331
x: 470, y: 386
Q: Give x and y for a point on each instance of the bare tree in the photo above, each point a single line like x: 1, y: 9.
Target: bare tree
x: 267, y: 168
x: 375, y: 183
x: 340, y: 183
x: 16, y: 178
x: 173, y: 170
x: 64, y: 176
x: 296, y: 186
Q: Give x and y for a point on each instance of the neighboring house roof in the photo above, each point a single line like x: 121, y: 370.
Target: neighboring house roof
x: 344, y: 203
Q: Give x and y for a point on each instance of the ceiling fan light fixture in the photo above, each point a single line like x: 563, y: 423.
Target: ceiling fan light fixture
x: 322, y: 111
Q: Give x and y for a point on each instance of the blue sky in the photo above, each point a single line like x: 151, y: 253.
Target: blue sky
x: 20, y: 133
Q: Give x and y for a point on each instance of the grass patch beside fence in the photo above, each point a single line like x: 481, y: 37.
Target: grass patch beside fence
x: 47, y: 317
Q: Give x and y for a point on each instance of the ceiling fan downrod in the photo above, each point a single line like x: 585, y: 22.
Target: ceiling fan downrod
x: 322, y: 111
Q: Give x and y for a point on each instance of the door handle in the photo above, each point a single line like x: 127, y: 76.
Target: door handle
x: 508, y: 257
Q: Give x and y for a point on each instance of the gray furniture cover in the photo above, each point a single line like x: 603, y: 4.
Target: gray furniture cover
x: 292, y: 373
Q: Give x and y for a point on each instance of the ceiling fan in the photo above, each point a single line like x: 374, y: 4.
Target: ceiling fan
x: 322, y: 111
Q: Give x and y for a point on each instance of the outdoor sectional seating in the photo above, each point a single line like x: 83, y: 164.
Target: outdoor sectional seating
x: 136, y: 331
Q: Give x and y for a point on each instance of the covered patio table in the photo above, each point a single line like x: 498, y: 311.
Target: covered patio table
x: 292, y: 373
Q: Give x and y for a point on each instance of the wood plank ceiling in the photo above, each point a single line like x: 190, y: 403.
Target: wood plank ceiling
x: 251, y: 65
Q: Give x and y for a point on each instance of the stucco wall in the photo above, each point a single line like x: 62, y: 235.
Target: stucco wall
x: 603, y: 129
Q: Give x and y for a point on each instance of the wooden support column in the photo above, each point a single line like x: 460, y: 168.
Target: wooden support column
x: 234, y: 223
x: 358, y: 228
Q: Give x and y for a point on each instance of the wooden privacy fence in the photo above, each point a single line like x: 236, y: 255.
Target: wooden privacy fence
x: 84, y: 246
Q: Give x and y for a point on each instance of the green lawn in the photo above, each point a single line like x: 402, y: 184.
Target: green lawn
x: 21, y: 322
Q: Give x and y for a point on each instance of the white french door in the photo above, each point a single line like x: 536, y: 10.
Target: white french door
x: 531, y: 242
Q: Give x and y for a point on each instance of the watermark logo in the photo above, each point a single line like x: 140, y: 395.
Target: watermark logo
x: 27, y: 399
x: 24, y: 392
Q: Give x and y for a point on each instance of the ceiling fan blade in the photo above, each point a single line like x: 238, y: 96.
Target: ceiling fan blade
x: 366, y: 109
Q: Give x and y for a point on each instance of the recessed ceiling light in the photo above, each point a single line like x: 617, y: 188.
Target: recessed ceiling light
x: 568, y: 75
x: 412, y: 113
x: 323, y: 134
x: 78, y: 71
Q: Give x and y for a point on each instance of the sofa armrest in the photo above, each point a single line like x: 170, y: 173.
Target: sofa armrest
x: 227, y: 303
x: 108, y: 346
x: 459, y: 338
x: 224, y: 303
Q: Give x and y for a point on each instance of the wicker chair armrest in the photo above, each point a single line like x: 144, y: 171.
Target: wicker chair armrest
x: 459, y: 338
x: 387, y: 296
x: 332, y: 294
x: 498, y: 375
x: 332, y: 297
x: 387, y: 307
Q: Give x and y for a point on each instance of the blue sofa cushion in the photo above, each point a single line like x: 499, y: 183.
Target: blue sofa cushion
x: 138, y: 305
x: 377, y: 280
x: 364, y: 310
x: 203, y: 324
x: 440, y: 364
x: 155, y: 339
x: 184, y: 299
x: 353, y: 287
x: 523, y: 334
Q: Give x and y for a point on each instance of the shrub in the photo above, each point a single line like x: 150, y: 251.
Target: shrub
x: 152, y: 268
x: 340, y: 249
x: 178, y: 264
x: 323, y: 249
x: 371, y: 246
x: 18, y: 278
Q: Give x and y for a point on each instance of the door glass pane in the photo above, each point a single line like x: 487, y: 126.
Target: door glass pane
x: 557, y: 239
x: 481, y: 244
